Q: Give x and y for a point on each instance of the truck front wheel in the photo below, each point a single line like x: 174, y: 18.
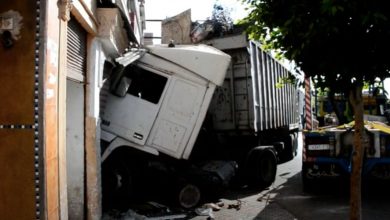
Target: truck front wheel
x: 189, y: 195
x: 261, y: 167
x: 118, y: 178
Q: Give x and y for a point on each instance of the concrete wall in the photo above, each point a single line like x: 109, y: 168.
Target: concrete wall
x: 75, y: 148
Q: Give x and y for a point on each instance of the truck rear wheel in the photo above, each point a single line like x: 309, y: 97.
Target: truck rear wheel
x: 261, y: 167
x: 291, y: 145
x: 307, y: 183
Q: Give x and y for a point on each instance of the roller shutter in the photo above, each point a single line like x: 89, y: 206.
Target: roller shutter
x: 76, y: 51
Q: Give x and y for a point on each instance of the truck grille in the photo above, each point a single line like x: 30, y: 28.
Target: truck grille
x: 346, y: 142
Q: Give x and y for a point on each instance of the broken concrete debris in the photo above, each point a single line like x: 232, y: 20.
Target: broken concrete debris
x: 236, y: 206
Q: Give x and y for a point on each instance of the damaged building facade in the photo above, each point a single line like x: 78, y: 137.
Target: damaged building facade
x: 54, y: 55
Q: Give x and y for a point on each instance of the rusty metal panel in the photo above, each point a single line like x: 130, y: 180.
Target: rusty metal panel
x: 17, y: 185
x: 20, y: 185
x: 17, y: 81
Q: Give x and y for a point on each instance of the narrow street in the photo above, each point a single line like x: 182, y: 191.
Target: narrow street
x: 286, y: 200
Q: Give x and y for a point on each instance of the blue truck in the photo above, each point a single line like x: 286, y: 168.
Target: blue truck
x: 327, y: 152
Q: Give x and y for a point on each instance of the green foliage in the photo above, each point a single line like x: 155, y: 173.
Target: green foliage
x: 221, y: 14
x: 341, y: 42
x: 282, y: 81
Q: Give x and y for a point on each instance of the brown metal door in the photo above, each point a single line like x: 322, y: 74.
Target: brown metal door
x: 19, y: 113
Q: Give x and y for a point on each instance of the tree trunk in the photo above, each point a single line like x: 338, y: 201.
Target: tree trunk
x: 356, y: 99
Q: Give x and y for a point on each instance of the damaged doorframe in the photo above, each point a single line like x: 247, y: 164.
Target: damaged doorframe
x: 64, y: 6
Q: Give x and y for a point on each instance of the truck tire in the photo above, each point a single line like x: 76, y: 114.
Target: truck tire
x: 307, y: 183
x: 189, y: 195
x: 118, y: 182
x: 290, y: 148
x: 261, y: 167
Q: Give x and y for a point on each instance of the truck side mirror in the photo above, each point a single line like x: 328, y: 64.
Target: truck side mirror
x: 122, y: 87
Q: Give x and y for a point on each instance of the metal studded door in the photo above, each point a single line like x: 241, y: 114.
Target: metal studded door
x: 20, y: 151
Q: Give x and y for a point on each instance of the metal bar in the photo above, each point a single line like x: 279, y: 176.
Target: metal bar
x: 263, y: 90
x: 233, y: 96
x: 285, y: 113
x: 266, y: 91
x: 157, y: 37
x: 273, y: 97
x: 258, y: 82
x: 282, y: 109
x: 271, y: 89
x: 248, y: 78
x: 278, y: 104
x: 295, y: 91
x: 153, y: 20
x: 289, y: 102
x: 269, y: 86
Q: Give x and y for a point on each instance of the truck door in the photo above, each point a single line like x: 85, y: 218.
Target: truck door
x: 178, y: 116
x: 132, y: 116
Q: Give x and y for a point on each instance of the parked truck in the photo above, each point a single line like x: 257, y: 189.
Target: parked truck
x: 327, y: 151
x: 196, y: 118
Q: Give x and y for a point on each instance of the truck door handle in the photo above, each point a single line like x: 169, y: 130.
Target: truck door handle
x: 138, y: 136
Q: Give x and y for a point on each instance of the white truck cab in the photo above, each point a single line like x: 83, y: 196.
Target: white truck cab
x: 160, y: 100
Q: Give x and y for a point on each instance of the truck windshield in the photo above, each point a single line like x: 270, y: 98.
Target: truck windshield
x: 145, y: 84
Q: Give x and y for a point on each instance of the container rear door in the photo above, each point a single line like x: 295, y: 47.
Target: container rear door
x: 232, y: 103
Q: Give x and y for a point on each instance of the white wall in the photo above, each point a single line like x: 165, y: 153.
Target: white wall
x: 75, y: 148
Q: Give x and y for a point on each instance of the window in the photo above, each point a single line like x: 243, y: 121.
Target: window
x: 145, y: 84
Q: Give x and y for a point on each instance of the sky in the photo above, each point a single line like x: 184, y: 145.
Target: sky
x: 200, y: 10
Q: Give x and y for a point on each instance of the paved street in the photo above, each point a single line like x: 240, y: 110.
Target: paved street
x: 286, y: 200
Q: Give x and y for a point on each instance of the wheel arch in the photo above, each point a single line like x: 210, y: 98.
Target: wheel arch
x: 120, y: 143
